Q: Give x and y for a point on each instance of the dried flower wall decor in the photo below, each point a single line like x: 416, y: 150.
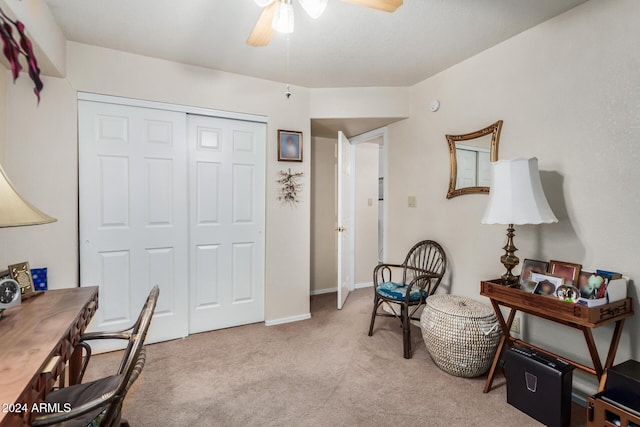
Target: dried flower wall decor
x: 12, y: 51
x: 290, y: 187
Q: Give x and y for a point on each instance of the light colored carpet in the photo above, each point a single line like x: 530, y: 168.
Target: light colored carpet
x: 324, y: 371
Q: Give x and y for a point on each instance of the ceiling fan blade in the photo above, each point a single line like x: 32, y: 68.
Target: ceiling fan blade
x: 386, y: 5
x: 262, y: 31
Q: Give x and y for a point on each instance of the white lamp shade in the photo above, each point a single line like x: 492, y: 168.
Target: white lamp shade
x: 16, y: 211
x: 314, y: 8
x: 516, y: 195
x: 283, y: 17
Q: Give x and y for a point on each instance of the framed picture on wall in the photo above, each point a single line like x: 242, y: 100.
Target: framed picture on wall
x: 289, y: 146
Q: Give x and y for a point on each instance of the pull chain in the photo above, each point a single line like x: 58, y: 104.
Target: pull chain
x: 287, y: 91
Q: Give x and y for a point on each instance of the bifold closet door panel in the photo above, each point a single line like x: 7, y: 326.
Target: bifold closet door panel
x: 227, y: 220
x: 133, y: 214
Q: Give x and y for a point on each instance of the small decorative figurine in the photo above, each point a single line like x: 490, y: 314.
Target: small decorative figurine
x: 568, y: 293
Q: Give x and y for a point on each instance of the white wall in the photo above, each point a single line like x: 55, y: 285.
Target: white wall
x: 568, y: 93
x: 48, y: 40
x: 366, y: 102
x: 324, y: 267
x: 4, y: 78
x: 366, y: 216
x: 41, y: 161
x: 42, y: 154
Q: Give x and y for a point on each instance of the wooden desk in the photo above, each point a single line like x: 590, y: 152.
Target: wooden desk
x: 37, y: 339
x: 568, y: 314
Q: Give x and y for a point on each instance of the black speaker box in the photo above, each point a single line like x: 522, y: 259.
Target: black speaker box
x: 622, y: 386
x: 539, y: 385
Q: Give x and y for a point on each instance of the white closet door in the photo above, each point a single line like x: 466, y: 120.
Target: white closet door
x: 226, y: 187
x: 133, y: 214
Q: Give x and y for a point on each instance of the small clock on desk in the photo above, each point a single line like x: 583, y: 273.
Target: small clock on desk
x: 9, y: 294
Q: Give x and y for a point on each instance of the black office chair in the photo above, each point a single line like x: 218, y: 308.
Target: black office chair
x: 99, y: 403
x: 417, y: 278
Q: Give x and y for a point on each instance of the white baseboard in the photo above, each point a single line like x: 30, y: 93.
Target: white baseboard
x: 579, y: 398
x: 363, y: 285
x: 324, y: 291
x: 287, y: 319
x: 332, y: 290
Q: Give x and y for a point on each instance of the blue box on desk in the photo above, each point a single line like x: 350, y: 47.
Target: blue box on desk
x: 39, y: 277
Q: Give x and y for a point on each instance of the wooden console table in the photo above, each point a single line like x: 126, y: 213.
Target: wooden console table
x: 573, y: 315
x: 38, y: 338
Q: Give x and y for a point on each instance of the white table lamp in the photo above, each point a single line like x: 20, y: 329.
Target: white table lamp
x: 516, y: 197
x: 15, y: 211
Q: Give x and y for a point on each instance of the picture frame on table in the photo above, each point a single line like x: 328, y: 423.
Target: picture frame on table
x: 289, y: 146
x: 21, y: 273
x: 592, y: 288
x: 546, y: 284
x: 583, y: 283
x: 531, y: 266
x: 569, y: 271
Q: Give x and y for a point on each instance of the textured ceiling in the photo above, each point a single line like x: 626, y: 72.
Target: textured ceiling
x: 349, y: 45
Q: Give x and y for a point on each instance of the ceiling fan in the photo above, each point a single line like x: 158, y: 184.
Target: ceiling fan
x: 278, y: 15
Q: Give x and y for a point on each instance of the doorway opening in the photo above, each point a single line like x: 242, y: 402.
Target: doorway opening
x: 370, y: 191
x: 367, y: 179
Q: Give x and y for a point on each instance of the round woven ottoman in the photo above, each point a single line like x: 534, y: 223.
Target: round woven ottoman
x: 461, y: 334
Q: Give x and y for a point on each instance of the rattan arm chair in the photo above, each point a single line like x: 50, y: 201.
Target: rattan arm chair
x: 125, y: 334
x: 99, y: 403
x: 420, y: 275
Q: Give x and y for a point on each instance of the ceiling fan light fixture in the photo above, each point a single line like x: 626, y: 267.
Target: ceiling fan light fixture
x: 263, y: 3
x: 283, y: 17
x: 314, y: 8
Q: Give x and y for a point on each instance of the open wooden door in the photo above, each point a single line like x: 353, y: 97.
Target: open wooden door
x: 345, y: 229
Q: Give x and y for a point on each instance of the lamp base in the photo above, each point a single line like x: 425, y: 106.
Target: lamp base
x: 510, y: 260
x: 510, y: 281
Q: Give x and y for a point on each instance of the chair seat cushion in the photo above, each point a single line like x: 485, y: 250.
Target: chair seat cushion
x: 398, y: 292
x: 76, y: 395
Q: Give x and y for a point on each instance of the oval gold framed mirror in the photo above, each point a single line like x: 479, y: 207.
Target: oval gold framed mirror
x: 469, y: 158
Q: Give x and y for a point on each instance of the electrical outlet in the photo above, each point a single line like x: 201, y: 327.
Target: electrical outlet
x: 515, y: 326
x: 411, y: 201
